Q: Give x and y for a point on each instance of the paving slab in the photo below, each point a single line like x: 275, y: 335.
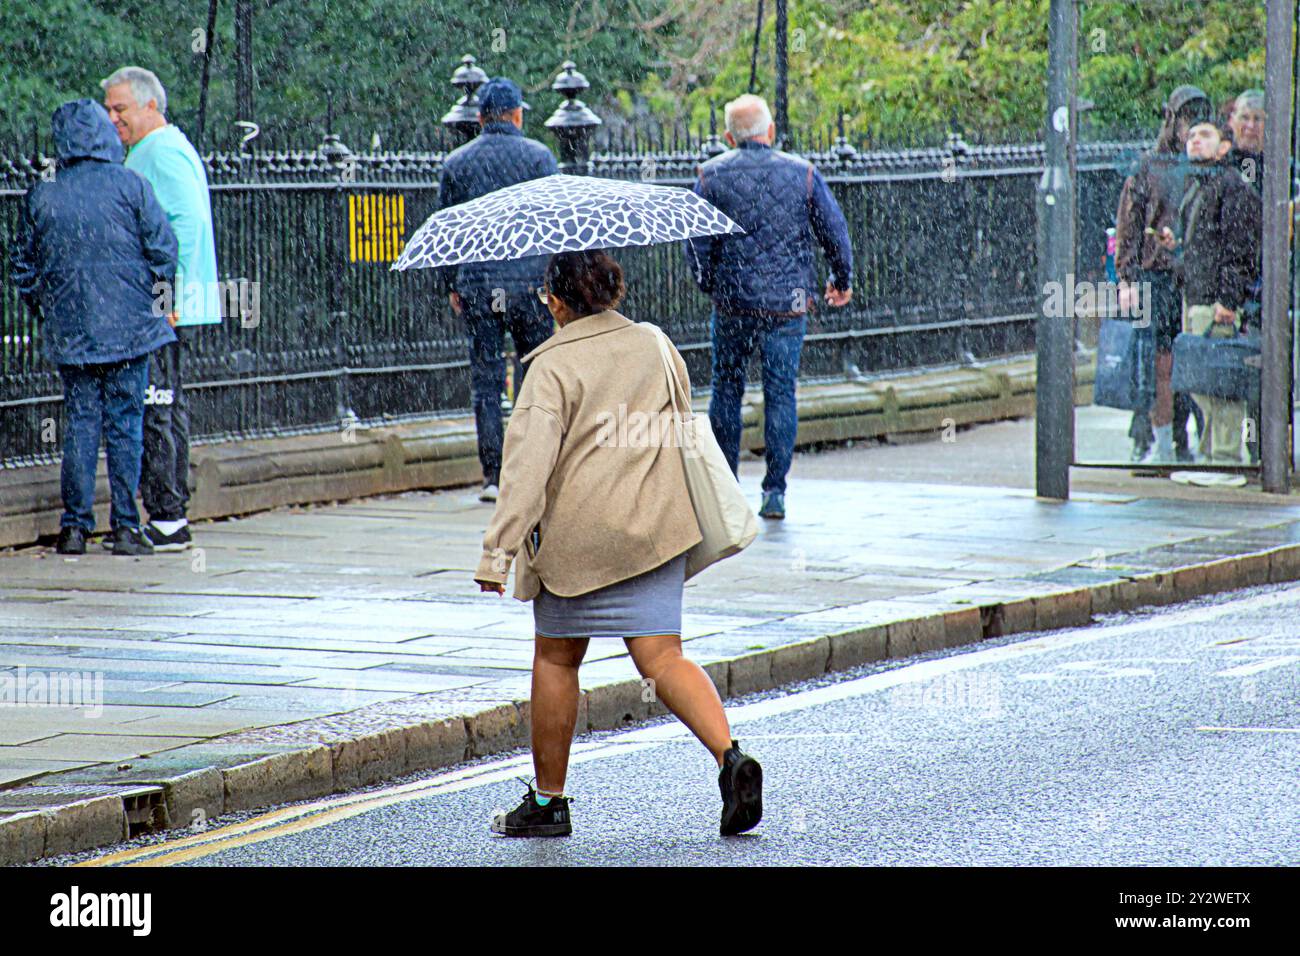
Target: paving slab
x: 14, y: 771
x: 94, y: 747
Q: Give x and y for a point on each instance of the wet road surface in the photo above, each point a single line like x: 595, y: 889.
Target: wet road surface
x: 1164, y: 738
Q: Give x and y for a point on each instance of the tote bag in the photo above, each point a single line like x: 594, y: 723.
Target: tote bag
x: 1125, y: 367
x: 725, y: 518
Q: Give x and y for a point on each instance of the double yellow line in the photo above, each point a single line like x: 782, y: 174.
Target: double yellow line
x: 308, y: 816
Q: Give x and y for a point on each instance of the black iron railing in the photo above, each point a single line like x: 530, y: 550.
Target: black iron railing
x: 943, y: 242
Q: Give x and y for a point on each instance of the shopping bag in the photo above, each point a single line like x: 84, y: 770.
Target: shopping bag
x: 1125, y: 375
x: 727, y: 522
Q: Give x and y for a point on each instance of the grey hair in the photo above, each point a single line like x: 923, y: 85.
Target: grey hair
x: 1249, y: 100
x: 145, y: 85
x: 756, y: 127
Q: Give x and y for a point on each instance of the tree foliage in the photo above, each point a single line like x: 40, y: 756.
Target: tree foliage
x: 898, y: 69
x: 901, y: 67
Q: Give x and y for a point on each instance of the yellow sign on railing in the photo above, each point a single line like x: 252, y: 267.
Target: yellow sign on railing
x: 376, y: 224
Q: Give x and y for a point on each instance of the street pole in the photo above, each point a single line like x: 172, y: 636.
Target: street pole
x: 208, y: 40
x: 753, y: 57
x: 244, y: 60
x: 1054, y: 334
x: 782, y: 74
x: 1275, y: 320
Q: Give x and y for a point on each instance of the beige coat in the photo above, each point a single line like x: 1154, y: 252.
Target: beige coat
x: 590, y: 454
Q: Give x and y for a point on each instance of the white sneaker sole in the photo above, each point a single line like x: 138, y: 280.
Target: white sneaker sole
x: 182, y: 546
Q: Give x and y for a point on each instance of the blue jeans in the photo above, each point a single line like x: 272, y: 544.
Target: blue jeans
x: 780, y: 342
x: 107, y: 398
x: 530, y: 325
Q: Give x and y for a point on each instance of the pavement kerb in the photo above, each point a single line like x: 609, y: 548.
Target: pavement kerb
x: 316, y: 771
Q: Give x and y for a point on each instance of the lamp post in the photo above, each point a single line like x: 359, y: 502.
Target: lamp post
x: 342, y: 162
x: 713, y: 146
x: 782, y: 75
x: 462, y: 118
x: 572, y: 122
x: 845, y: 152
x: 243, y: 59
x: 333, y: 150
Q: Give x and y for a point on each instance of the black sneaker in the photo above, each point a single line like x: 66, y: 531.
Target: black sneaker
x: 741, y: 783
x: 178, y: 540
x: 72, y: 540
x: 530, y: 820
x: 130, y: 542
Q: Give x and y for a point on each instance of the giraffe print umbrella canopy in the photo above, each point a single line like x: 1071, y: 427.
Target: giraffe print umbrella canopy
x: 560, y: 214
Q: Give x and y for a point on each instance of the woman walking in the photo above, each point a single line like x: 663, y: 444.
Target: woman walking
x: 596, y: 512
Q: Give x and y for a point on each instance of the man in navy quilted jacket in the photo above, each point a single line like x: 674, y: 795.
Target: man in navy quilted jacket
x: 493, y: 295
x: 764, y: 282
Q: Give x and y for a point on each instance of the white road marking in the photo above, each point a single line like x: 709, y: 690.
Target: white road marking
x: 1267, y: 664
x: 1253, y: 730
x: 1103, y: 668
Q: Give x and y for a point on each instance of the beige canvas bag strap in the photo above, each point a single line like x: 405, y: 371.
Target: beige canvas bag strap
x: 675, y: 389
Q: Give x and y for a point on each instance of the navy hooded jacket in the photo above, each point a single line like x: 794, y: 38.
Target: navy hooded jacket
x: 92, y: 243
x: 501, y: 155
x: 783, y: 204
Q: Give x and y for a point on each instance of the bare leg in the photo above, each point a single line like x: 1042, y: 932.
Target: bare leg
x: 684, y: 688
x: 554, y: 707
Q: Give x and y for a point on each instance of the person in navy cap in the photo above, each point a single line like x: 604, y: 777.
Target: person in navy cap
x: 492, y: 296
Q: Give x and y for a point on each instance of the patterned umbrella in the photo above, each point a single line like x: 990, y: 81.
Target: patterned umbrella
x: 560, y: 214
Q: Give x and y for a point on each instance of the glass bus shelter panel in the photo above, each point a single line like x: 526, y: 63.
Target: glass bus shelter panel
x: 1134, y: 59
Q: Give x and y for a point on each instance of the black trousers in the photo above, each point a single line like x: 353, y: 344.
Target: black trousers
x: 488, y: 316
x: 165, y: 467
x: 1166, y: 321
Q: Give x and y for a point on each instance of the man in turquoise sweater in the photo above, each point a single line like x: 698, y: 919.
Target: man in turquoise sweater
x: 161, y: 153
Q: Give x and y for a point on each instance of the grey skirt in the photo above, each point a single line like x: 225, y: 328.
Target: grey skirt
x: 649, y: 603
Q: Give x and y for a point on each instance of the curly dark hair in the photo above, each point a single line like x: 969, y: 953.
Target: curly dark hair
x: 587, y: 282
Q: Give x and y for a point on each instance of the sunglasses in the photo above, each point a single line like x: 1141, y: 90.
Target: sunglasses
x: 543, y: 294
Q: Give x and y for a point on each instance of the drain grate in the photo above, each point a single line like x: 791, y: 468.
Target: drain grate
x: 145, y: 812
x: 145, y: 806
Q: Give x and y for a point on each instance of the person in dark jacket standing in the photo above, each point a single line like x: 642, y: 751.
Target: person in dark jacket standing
x: 94, y: 246
x: 494, y: 295
x: 1147, y: 204
x: 1216, y: 261
x: 1247, y: 120
x: 763, y: 282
